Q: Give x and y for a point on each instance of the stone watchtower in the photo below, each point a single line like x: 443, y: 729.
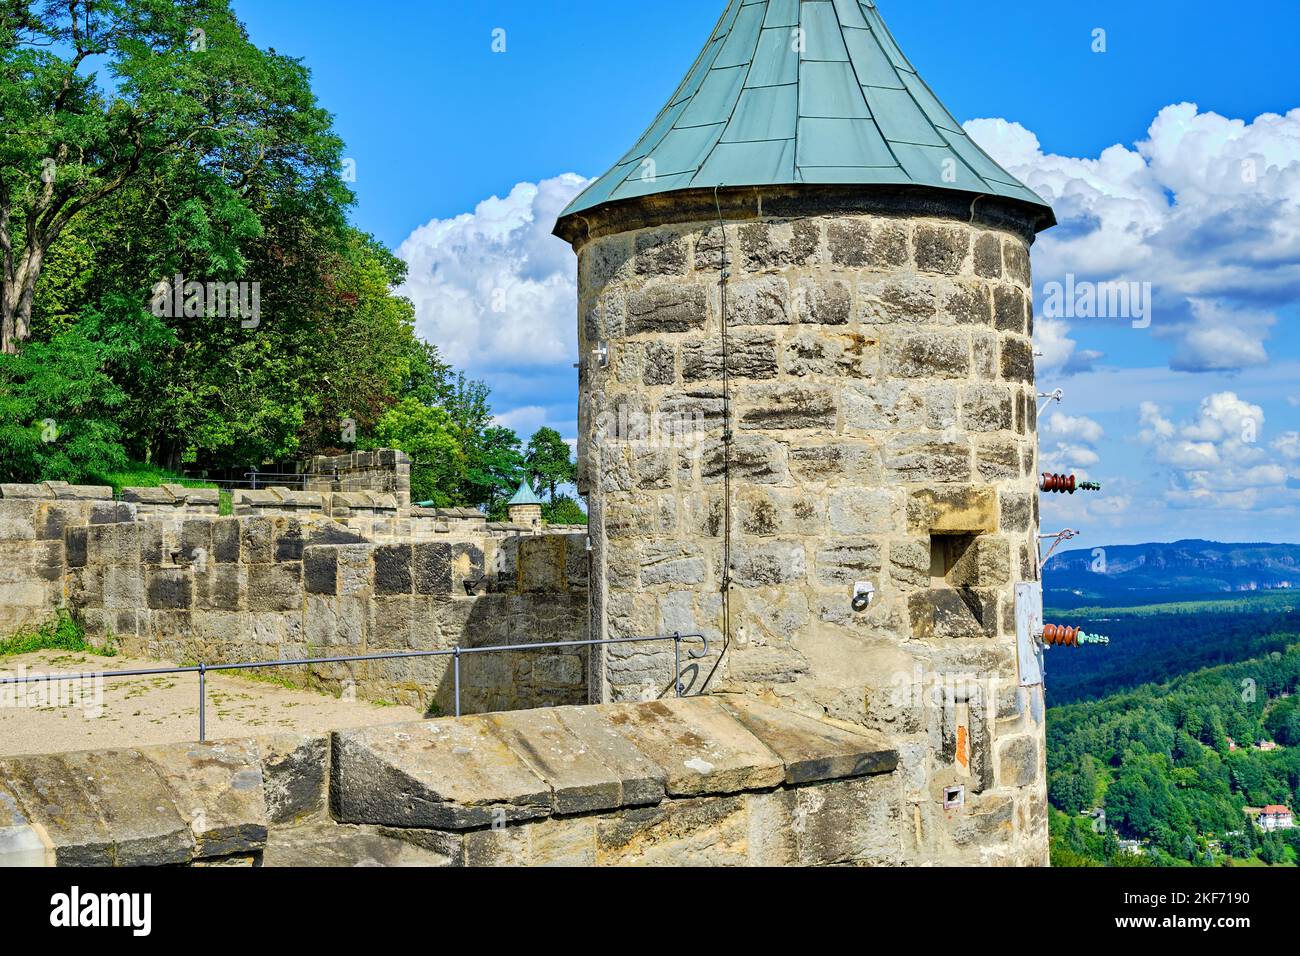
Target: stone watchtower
x: 807, y: 414
x: 525, y: 507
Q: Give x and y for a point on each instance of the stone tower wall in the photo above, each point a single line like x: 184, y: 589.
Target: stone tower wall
x: 882, y: 406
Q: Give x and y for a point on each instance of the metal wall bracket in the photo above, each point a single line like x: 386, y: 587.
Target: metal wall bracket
x: 1029, y: 624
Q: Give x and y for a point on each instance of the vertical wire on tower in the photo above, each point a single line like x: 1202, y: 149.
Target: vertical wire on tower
x: 726, y: 449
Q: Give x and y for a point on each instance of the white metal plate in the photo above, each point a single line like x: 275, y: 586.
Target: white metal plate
x: 1029, y: 622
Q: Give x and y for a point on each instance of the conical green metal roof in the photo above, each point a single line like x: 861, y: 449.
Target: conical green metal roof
x: 802, y: 91
x: 524, y: 496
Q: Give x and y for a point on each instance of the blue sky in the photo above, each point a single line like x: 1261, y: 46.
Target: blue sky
x: 1191, y: 422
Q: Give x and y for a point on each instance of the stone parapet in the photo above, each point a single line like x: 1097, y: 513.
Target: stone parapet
x: 159, y: 805
x: 284, y: 586
x: 171, y: 499
x: 280, y: 500
x: 382, y: 470
x: 708, y: 780
x: 57, y: 490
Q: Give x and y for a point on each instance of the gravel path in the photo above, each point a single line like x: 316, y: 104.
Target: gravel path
x: 163, y: 709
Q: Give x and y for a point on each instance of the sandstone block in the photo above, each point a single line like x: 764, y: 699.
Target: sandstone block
x: 854, y: 461
x: 1009, y: 309
x: 861, y: 242
x: 968, y: 510
x: 701, y: 832
x: 945, y: 613
x: 823, y: 302
x: 1016, y: 256
x: 53, y: 798
x: 660, y: 252
x: 906, y: 299
x: 988, y: 255
x: 782, y: 407
x: 862, y: 511
x: 927, y: 355
x: 393, y: 573
x: 701, y: 747
x: 579, y: 779
x: 761, y: 565
x: 941, y: 248
x: 119, y: 783
x: 1018, y: 761
x: 812, y: 750
x: 275, y: 587
x: 666, y: 307
x: 1017, y: 510
x: 750, y: 354
x: 754, y: 459
x: 917, y: 458
x: 812, y: 353
x: 217, y: 787
x: 451, y: 774
x: 760, y: 301
x: 844, y: 562
x: 1017, y: 363
x: 970, y: 303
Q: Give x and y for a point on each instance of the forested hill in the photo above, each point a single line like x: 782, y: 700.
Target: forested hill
x: 1176, y: 764
x: 1153, y: 643
x: 1123, y: 574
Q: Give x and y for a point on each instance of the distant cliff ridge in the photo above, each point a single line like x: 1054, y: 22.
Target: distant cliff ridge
x: 1135, y: 571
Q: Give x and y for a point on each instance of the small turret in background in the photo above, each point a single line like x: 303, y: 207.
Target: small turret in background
x: 525, y: 507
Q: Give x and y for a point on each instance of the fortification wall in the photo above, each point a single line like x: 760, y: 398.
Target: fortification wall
x: 163, y: 576
x: 285, y: 587
x: 880, y: 402
x: 383, y: 471
x: 32, y: 562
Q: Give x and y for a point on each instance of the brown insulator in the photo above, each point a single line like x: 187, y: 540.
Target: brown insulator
x: 1060, y: 636
x: 1057, y: 484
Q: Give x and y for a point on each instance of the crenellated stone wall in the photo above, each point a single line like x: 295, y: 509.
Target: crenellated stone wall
x: 384, y: 471
x: 287, y: 587
x: 32, y: 558
x: 880, y: 408
x: 298, y: 575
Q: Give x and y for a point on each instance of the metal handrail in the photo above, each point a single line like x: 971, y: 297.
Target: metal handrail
x: 455, y: 653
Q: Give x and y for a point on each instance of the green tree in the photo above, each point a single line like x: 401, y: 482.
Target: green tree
x: 56, y: 411
x: 427, y: 436
x: 550, y: 461
x: 191, y: 97
x: 494, y: 468
x: 563, y: 510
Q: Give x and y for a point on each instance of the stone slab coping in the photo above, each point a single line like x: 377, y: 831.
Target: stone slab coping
x: 471, y: 772
x: 372, y: 500
x: 278, y: 497
x: 376, y: 458
x: 156, y: 805
x: 507, y: 526
x: 59, y: 490
x: 171, y: 494
x: 444, y: 515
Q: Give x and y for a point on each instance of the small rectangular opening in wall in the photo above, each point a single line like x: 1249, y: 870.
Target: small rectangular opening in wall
x: 953, y: 797
x: 946, y: 552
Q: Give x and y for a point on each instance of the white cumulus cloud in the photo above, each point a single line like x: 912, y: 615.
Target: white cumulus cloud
x: 1216, y: 459
x: 492, y: 288
x: 1206, y: 208
x: 1079, y: 427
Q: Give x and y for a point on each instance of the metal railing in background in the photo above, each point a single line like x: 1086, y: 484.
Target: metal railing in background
x: 455, y: 653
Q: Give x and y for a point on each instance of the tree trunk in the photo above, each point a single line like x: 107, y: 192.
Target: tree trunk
x: 16, y: 301
x: 6, y: 324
